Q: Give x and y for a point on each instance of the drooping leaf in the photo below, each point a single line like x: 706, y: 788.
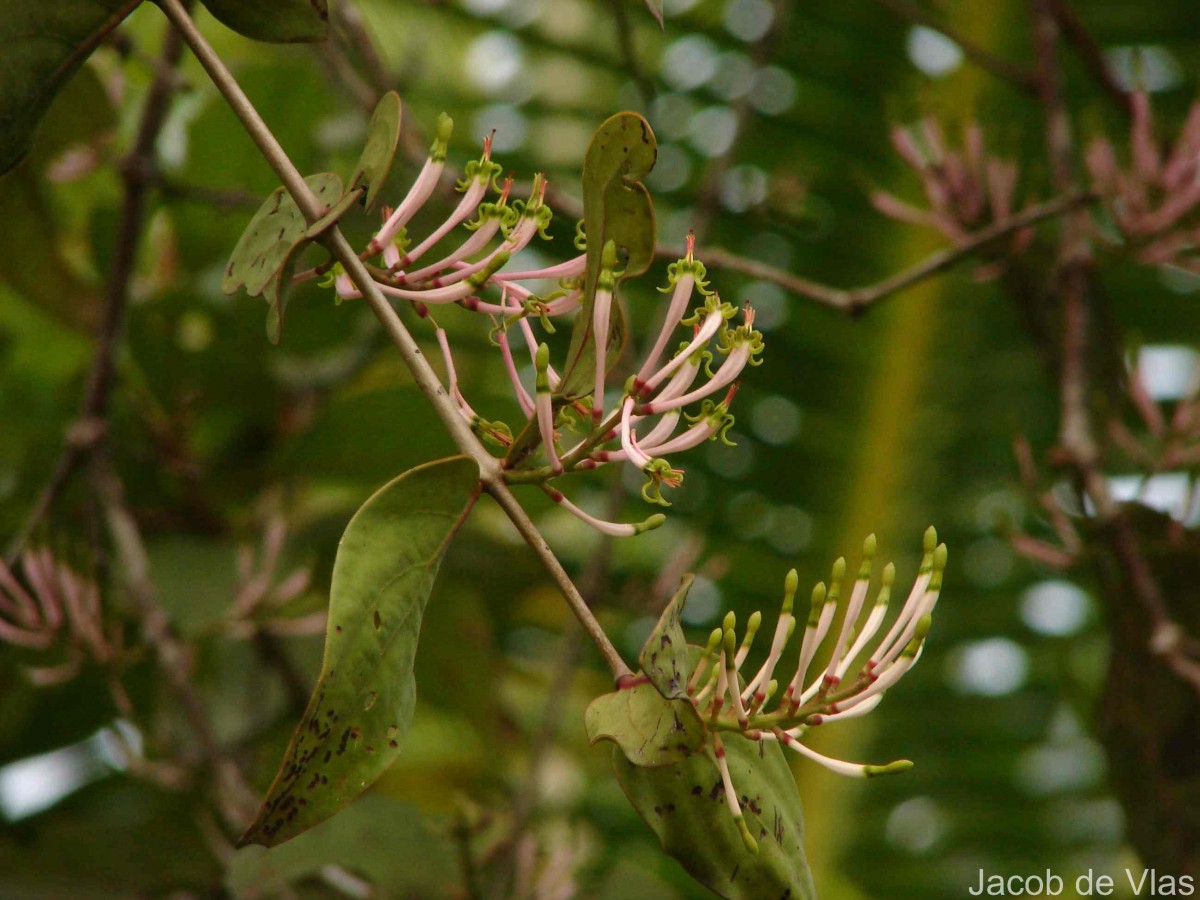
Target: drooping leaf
x: 272, y: 234
x: 44, y: 43
x: 685, y: 805
x: 656, y: 10
x: 648, y: 728
x: 616, y: 207
x: 383, y: 136
x: 361, y: 709
x: 278, y: 21
x: 664, y: 656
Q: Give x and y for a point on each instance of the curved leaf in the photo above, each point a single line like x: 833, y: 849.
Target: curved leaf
x: 363, y: 703
x: 277, y: 21
x: 685, y: 805
x: 271, y: 235
x: 383, y: 136
x: 649, y: 729
x: 616, y: 207
x: 44, y: 43
x: 665, y: 655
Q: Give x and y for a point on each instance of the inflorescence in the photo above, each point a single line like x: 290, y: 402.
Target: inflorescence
x: 642, y: 426
x: 761, y: 706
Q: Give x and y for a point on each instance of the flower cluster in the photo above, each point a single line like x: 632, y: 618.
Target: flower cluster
x: 1153, y: 202
x: 642, y: 425
x: 58, y: 612
x: 760, y: 706
x: 966, y: 189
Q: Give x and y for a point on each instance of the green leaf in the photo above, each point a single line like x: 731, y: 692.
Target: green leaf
x: 327, y: 221
x: 44, y: 43
x: 363, y: 703
x: 383, y: 136
x: 685, y: 805
x: 278, y: 21
x: 273, y: 234
x: 616, y: 207
x: 648, y: 728
x: 665, y: 655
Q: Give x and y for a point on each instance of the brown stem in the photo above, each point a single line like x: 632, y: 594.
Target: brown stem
x: 1076, y: 438
x: 491, y: 476
x: 855, y: 300
x: 1090, y: 52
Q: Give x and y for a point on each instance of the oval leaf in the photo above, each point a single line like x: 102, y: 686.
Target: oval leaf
x: 44, y: 43
x: 383, y: 136
x: 277, y: 21
x: 648, y: 728
x: 665, y: 655
x: 616, y: 207
x: 363, y: 703
x: 273, y: 234
x: 685, y: 805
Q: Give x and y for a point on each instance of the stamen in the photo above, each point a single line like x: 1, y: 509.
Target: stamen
x: 615, y: 529
x: 853, y: 770
x: 731, y: 795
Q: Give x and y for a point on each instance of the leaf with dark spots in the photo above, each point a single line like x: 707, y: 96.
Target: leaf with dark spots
x: 650, y: 729
x: 44, y: 43
x: 664, y: 656
x: 616, y: 207
x: 273, y: 234
x: 277, y: 21
x: 699, y: 831
x: 386, y: 564
x: 383, y: 136
x: 327, y: 221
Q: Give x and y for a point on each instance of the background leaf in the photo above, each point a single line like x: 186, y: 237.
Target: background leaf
x: 363, y: 703
x: 44, y: 43
x: 278, y: 21
x: 685, y: 805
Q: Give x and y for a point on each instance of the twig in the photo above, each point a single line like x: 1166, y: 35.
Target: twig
x: 1090, y: 52
x: 348, y: 19
x: 88, y: 432
x: 173, y: 656
x: 1001, y: 68
x: 855, y: 300
x: 426, y: 379
x: 629, y: 57
x: 710, y: 187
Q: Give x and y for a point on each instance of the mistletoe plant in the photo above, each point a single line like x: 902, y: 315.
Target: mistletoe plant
x: 690, y: 720
x: 698, y: 735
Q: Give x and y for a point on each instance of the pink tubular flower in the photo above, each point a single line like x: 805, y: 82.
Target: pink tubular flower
x: 641, y: 425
